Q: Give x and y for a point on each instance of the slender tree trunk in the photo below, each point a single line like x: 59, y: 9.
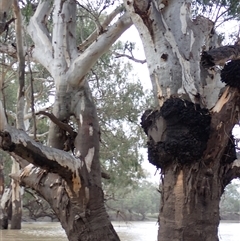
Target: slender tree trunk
x: 5, y: 202
x: 16, y: 199
x: 3, y: 219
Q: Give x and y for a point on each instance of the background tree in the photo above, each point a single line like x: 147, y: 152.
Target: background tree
x: 190, y: 131
x: 229, y: 205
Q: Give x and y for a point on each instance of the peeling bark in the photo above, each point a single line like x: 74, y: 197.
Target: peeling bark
x: 172, y: 50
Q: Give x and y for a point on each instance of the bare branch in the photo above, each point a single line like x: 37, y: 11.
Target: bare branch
x: 59, y: 123
x: 82, y: 65
x: 117, y: 55
x: 40, y: 35
x: 29, y: 115
x: 104, y: 25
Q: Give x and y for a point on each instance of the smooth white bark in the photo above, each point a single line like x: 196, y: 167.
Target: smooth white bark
x: 81, y: 65
x: 173, y: 51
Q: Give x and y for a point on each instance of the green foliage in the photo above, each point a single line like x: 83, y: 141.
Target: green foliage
x: 120, y: 102
x: 28, y: 7
x: 216, y: 10
x: 144, y: 201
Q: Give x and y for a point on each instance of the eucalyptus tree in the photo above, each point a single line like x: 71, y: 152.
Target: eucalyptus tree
x: 189, y: 138
x: 190, y: 132
x: 71, y: 183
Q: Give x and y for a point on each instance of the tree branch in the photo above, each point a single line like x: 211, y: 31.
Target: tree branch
x: 81, y: 66
x: 50, y: 159
x: 59, y: 123
x: 90, y: 39
x: 40, y: 35
x: 117, y: 55
x: 219, y: 56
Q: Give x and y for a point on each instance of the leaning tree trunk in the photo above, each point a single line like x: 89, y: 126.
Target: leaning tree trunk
x: 189, y: 133
x: 77, y: 199
x: 3, y: 214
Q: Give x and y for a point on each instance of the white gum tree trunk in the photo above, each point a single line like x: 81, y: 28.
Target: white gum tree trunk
x: 173, y: 43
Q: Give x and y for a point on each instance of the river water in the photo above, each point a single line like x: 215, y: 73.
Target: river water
x: 130, y: 231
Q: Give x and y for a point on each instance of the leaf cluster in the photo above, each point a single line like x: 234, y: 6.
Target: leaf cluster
x: 219, y: 11
x: 120, y: 102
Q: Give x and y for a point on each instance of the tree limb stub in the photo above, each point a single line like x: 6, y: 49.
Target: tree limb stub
x: 219, y: 56
x: 50, y: 159
x: 104, y: 25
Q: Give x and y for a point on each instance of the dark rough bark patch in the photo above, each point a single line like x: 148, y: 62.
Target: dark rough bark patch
x: 142, y: 9
x: 219, y: 56
x: 182, y: 128
x: 6, y: 141
x: 230, y: 74
x: 207, y: 60
x: 230, y: 154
